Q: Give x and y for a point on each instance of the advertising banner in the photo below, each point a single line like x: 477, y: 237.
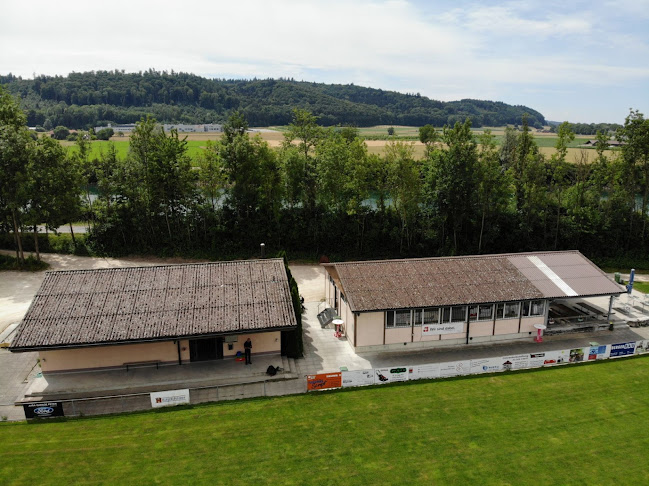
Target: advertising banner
x: 169, y: 398
x: 537, y: 360
x: 424, y: 372
x: 454, y: 368
x: 556, y: 357
x: 323, y: 381
x: 447, y: 328
x: 622, y: 349
x: 486, y: 365
x: 515, y: 362
x: 43, y: 409
x: 390, y: 375
x: 597, y: 352
x: 357, y: 378
x: 642, y: 347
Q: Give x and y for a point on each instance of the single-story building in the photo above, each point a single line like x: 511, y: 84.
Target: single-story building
x: 157, y: 315
x: 428, y: 302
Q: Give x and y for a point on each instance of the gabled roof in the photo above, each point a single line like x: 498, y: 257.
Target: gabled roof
x: 431, y: 282
x: 122, y: 305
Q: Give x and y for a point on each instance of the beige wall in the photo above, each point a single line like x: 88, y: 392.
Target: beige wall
x: 527, y: 323
x: 111, y: 356
x: 417, y: 337
x: 398, y: 335
x: 506, y: 326
x: 369, y: 328
x: 262, y: 342
x: 481, y: 328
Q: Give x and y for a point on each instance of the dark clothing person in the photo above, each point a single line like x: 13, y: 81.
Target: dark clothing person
x: 248, y: 348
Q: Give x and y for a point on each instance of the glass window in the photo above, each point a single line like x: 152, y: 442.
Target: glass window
x: 511, y: 309
x: 458, y: 313
x: 486, y: 312
x: 538, y: 308
x: 416, y: 316
x: 473, y: 312
x: 526, y: 308
x: 402, y: 318
x: 446, y: 314
x: 500, y: 311
x: 389, y: 319
x: 431, y: 315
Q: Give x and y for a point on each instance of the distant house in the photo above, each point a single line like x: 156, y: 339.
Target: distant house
x: 430, y: 302
x: 611, y: 143
x: 159, y: 315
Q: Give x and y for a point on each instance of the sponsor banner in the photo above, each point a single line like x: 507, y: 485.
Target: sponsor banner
x: 577, y: 355
x: 597, y: 352
x: 43, y: 409
x: 323, y: 381
x: 169, y: 398
x: 537, y: 360
x: 642, y: 347
x: 424, y: 372
x: 622, y: 349
x: 486, y: 365
x: 357, y: 378
x: 455, y: 368
x: 390, y: 375
x: 515, y: 362
x: 552, y: 358
x: 447, y: 328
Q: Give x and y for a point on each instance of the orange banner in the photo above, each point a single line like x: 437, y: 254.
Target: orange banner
x: 323, y: 381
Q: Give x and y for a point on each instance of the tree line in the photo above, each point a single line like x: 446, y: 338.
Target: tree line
x: 322, y: 193
x: 84, y: 100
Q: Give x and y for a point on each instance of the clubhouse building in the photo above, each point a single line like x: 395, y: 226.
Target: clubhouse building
x: 451, y: 301
x: 118, y: 318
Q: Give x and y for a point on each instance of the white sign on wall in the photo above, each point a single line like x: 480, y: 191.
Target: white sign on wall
x: 169, y: 398
x: 423, y: 372
x: 357, y: 378
x: 486, y: 365
x: 455, y: 368
x: 516, y: 361
x: 390, y: 375
x: 447, y: 328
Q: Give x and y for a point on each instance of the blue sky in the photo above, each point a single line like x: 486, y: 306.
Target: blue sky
x: 577, y: 61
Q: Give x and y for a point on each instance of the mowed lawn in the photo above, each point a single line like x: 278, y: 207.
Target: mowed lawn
x: 582, y: 424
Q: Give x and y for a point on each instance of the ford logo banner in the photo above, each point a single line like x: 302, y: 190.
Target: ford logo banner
x: 43, y: 409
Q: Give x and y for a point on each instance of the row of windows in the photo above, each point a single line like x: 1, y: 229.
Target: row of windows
x: 460, y: 313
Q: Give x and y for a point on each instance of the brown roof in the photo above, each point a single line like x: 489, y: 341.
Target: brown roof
x: 118, y: 305
x: 430, y: 282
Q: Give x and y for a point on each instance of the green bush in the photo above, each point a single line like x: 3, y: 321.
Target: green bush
x: 50, y: 243
x: 31, y: 264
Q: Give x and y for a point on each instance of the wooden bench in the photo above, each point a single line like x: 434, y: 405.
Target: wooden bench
x: 141, y: 364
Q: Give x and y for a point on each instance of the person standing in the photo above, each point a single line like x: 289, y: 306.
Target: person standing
x: 248, y: 349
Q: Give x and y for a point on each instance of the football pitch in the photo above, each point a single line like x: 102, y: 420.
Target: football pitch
x: 578, y: 424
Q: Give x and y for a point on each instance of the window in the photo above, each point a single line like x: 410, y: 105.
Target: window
x: 485, y: 312
x: 400, y: 318
x: 458, y: 313
x: 473, y: 312
x: 416, y: 317
x: 431, y: 316
x: 538, y: 308
x: 446, y: 314
x: 500, y: 311
x: 512, y: 309
x: 526, y: 308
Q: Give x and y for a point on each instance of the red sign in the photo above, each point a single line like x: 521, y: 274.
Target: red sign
x: 324, y: 381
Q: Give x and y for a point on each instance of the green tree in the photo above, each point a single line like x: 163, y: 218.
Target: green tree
x: 60, y: 133
x: 559, y: 171
x: 105, y: 133
x: 428, y: 136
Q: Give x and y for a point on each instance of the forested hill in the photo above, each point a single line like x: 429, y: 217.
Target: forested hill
x: 82, y: 100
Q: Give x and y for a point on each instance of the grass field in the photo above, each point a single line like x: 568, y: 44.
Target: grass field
x: 579, y: 424
x: 196, y: 142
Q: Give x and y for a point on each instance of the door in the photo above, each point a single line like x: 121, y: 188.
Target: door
x: 206, y: 349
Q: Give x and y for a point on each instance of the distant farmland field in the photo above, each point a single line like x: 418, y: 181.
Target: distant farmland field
x: 274, y: 136
x: 578, y: 424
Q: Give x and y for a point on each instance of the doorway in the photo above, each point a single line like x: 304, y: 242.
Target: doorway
x: 205, y: 349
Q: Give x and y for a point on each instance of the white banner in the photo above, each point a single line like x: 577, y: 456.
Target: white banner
x: 641, y: 347
x: 169, y: 398
x: 537, y: 360
x: 357, y: 378
x: 389, y: 375
x: 424, y: 372
x: 515, y: 362
x: 447, y: 328
x: 598, y: 352
x: 486, y: 365
x: 454, y: 368
x: 556, y: 357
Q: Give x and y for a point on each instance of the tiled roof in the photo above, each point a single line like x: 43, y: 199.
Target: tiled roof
x: 430, y: 282
x: 83, y: 307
